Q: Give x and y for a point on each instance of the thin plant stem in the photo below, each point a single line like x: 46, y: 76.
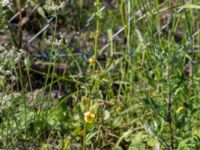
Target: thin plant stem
x: 97, y: 33
x: 170, y: 120
x: 84, y: 136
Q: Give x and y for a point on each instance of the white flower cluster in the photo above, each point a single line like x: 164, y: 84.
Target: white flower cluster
x: 8, y: 60
x: 6, y: 100
x: 54, y: 7
x: 6, y: 3
x: 9, y: 57
x: 50, y: 40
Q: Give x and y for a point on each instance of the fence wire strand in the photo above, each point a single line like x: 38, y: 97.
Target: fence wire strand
x: 88, y: 23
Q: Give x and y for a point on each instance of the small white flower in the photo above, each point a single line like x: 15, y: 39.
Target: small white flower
x: 62, y: 5
x: 8, y: 72
x: 5, y: 2
x: 13, y: 78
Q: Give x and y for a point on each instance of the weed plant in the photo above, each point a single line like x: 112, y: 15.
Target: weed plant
x: 100, y: 75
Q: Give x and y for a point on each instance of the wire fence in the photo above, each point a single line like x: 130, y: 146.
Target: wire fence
x: 102, y: 51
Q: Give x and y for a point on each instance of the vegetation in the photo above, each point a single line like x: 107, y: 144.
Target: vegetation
x: 99, y: 74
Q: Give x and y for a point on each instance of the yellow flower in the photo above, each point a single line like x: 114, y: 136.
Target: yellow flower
x: 118, y: 109
x: 81, y: 133
x: 91, y: 60
x: 179, y: 109
x: 89, y: 117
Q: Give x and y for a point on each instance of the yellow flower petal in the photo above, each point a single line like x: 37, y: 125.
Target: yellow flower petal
x: 89, y: 117
x: 179, y: 109
x: 91, y: 60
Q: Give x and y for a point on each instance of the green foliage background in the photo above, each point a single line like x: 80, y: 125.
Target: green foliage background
x: 145, y: 98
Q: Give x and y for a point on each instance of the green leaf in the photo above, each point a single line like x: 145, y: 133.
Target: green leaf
x: 117, y: 148
x: 41, y: 12
x: 67, y: 142
x: 124, y: 135
x: 136, y: 143
x: 191, y: 6
x: 106, y: 115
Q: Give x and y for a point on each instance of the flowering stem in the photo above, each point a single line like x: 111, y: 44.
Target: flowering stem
x: 84, y: 136
x: 97, y: 33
